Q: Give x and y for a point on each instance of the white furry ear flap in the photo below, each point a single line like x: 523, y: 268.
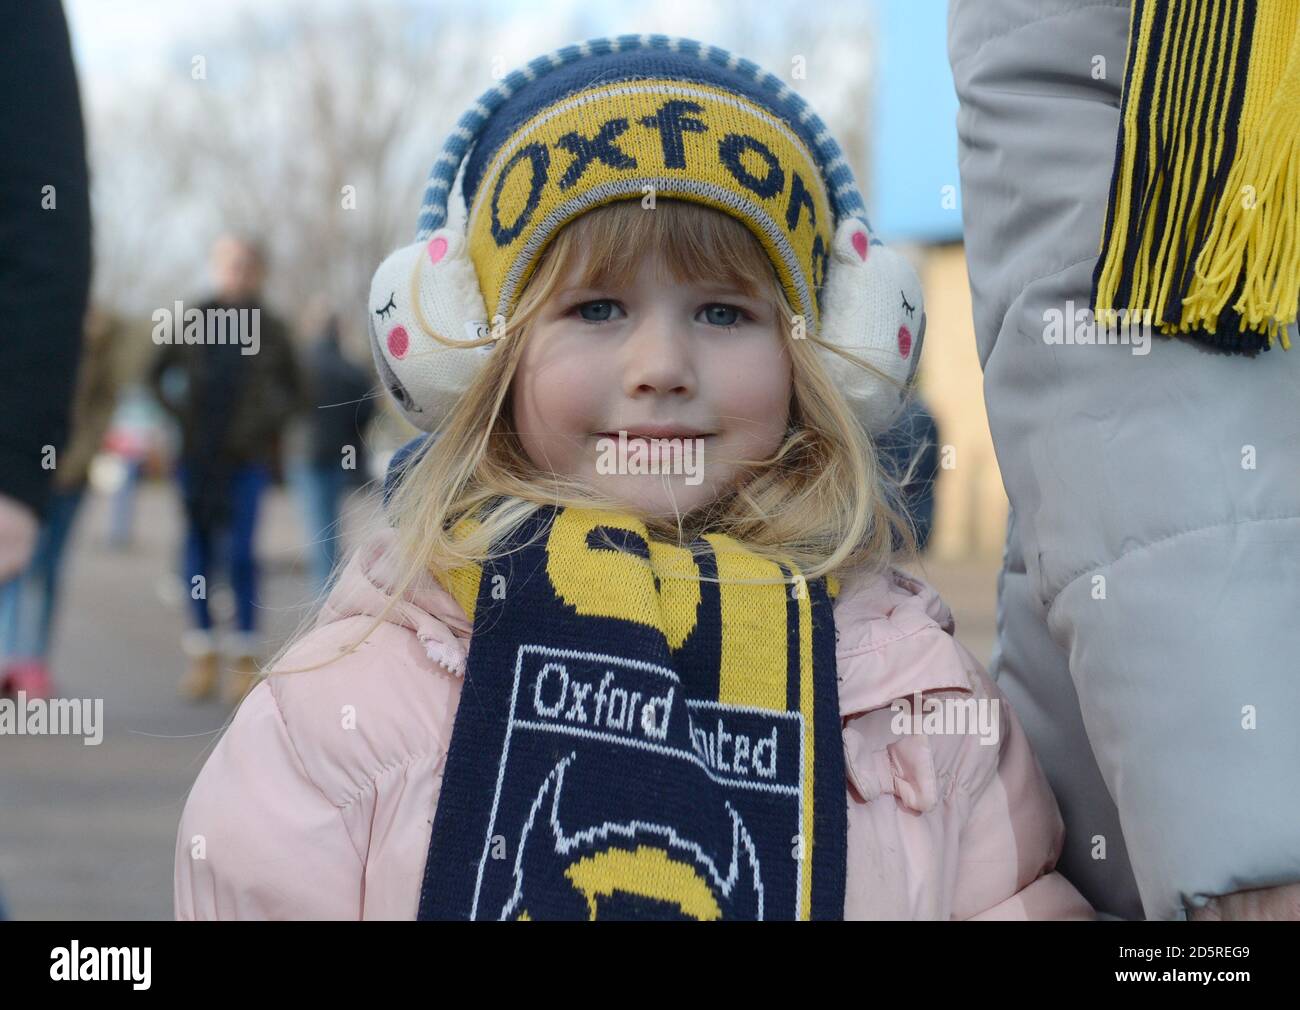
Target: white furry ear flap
x: 871, y: 307
x: 424, y: 305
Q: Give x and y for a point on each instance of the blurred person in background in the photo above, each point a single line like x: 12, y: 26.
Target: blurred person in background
x: 28, y: 604
x: 342, y: 396
x: 909, y: 449
x: 230, y: 406
x: 44, y: 270
x: 133, y: 447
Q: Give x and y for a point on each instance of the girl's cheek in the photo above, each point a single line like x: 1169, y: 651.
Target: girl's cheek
x: 758, y: 386
x: 565, y: 408
x: 555, y: 394
x: 557, y: 357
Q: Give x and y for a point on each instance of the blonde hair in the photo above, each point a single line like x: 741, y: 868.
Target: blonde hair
x: 821, y: 500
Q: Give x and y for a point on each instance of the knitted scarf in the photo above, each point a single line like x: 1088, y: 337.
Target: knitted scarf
x: 644, y: 732
x: 1202, y: 233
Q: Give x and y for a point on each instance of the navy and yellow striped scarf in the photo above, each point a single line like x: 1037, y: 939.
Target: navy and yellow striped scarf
x: 1202, y: 233
x: 644, y: 731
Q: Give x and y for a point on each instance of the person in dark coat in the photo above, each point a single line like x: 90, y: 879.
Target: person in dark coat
x: 231, y: 394
x: 343, y: 402
x: 909, y: 450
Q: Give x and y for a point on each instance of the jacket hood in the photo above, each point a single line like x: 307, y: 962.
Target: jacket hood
x: 366, y: 586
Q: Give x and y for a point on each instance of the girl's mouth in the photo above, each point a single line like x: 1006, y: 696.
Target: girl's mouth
x: 656, y: 432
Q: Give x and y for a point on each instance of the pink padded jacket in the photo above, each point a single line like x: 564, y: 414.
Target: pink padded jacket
x: 318, y: 801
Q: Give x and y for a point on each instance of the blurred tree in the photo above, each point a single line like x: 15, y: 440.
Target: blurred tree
x: 310, y: 128
x: 314, y: 126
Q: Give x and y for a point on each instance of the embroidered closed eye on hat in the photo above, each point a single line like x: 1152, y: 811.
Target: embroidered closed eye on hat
x: 615, y: 119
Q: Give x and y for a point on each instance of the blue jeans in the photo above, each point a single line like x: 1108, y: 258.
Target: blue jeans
x: 28, y: 601
x: 246, y: 486
x: 322, y: 489
x: 122, y: 505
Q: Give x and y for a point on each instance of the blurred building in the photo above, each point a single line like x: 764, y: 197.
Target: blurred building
x: 914, y: 194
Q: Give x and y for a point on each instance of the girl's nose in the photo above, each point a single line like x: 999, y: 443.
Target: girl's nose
x: 658, y: 359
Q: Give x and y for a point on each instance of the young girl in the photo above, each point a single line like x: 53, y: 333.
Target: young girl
x: 630, y: 643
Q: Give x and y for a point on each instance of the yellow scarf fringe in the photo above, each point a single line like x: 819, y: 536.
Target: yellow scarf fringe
x: 1191, y: 65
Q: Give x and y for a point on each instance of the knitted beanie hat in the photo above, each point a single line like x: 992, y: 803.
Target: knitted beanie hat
x: 616, y: 119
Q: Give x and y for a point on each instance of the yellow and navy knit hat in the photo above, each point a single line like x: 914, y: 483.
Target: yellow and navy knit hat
x: 613, y: 119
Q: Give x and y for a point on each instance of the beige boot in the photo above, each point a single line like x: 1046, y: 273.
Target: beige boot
x: 200, y: 680
x: 244, y: 678
x: 204, y: 673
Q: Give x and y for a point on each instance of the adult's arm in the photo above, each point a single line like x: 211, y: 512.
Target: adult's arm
x: 44, y: 245
x: 1156, y: 495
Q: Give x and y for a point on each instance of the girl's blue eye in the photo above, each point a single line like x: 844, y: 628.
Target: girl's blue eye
x: 602, y: 311
x: 596, y: 312
x: 722, y: 315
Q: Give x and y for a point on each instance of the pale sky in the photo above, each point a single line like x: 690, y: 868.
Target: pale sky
x: 110, y: 35
x: 122, y: 44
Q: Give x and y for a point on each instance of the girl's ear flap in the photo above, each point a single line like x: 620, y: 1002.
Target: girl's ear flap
x: 424, y: 306
x: 872, y: 308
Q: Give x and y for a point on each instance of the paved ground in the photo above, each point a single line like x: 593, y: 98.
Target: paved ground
x: 87, y: 832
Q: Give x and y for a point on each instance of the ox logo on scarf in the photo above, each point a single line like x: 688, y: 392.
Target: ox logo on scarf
x: 644, y: 732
